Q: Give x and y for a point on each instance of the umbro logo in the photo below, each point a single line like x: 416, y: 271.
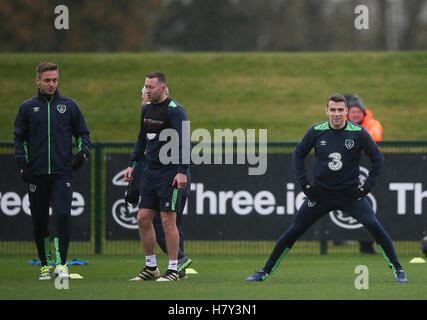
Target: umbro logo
x: 36, y: 109
x: 323, y: 142
x: 151, y: 136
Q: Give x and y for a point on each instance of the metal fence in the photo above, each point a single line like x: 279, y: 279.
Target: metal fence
x: 98, y: 242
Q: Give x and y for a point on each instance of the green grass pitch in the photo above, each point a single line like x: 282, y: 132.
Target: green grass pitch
x: 225, y: 91
x: 220, y: 277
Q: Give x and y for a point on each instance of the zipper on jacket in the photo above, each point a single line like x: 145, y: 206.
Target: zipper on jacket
x: 48, y: 135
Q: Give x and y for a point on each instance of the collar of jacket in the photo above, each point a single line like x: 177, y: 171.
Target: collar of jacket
x: 41, y: 96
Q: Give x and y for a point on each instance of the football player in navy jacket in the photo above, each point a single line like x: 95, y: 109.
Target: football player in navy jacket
x: 338, y: 146
x: 44, y: 128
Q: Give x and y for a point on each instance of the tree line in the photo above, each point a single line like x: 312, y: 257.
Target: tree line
x: 212, y: 25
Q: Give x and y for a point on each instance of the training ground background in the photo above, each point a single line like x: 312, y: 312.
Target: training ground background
x: 283, y: 92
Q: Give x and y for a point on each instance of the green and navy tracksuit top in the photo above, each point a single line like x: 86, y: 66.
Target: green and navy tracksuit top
x: 43, y: 133
x: 156, y: 117
x: 338, y: 154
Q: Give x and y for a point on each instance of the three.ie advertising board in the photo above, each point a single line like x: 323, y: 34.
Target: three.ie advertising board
x: 226, y: 203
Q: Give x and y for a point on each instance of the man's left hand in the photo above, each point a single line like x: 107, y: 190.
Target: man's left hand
x: 78, y: 160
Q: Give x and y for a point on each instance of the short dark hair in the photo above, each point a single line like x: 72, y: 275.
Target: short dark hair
x: 159, y: 75
x: 45, y: 66
x: 336, y: 97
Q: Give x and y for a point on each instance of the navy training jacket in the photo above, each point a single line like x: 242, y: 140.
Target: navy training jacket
x: 168, y: 114
x: 338, y: 154
x: 43, y: 134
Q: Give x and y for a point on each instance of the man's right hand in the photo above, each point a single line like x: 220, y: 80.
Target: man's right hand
x: 26, y: 174
x: 128, y: 174
x: 312, y: 192
x: 359, y: 193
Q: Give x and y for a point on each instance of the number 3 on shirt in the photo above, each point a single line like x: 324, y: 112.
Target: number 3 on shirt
x: 336, y: 163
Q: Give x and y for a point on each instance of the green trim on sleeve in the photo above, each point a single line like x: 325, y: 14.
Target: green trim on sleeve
x: 25, y: 145
x: 172, y: 104
x: 352, y: 127
x: 322, y: 126
x: 79, y: 144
